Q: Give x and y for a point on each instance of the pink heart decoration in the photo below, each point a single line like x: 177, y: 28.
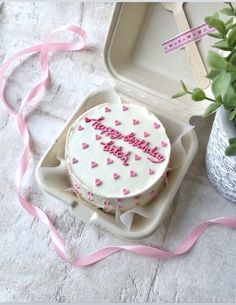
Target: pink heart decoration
x: 93, y: 164
x: 132, y: 173
x: 80, y: 128
x: 137, y: 157
x: 146, y: 134
x: 116, y: 176
x: 137, y: 197
x: 117, y: 122
x: 163, y: 144
x: 85, y: 145
x: 98, y: 137
x: 135, y: 122
x: 98, y: 182
x: 107, y: 109
x: 87, y: 120
x: 106, y: 202
x: 109, y: 161
x: 119, y: 200
x: 151, y: 171
x: 156, y: 125
x: 125, y: 108
x: 125, y: 191
x: 74, y: 161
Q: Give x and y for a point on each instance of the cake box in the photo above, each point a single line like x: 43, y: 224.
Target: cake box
x: 144, y: 75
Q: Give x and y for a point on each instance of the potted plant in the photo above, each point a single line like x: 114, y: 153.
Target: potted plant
x: 221, y: 148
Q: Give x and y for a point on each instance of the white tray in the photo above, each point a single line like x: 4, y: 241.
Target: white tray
x: 143, y: 75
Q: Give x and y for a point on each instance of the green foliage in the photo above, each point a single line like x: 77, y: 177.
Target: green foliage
x: 222, y: 70
x: 231, y: 149
x: 198, y: 95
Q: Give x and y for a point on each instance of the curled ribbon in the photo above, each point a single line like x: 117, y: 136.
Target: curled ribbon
x: 36, y: 212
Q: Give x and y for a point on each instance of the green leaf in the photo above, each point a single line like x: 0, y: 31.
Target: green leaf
x: 211, y: 109
x: 216, y: 15
x: 229, y: 24
x: 179, y: 94
x: 232, y: 141
x: 216, y: 23
x: 183, y: 86
x: 216, y: 62
x: 223, y: 45
x: 232, y: 115
x: 229, y: 21
x: 218, y: 100
x: 230, y: 67
x: 198, y: 95
x: 229, y: 98
x: 227, y: 11
x: 212, y: 74
x: 233, y: 59
x: 220, y: 84
x: 216, y: 35
x: 231, y: 150
x: 232, y: 37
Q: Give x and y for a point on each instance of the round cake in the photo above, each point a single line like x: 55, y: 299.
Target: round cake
x: 117, y: 156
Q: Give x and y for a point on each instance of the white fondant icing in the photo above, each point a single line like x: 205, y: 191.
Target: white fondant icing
x: 128, y: 177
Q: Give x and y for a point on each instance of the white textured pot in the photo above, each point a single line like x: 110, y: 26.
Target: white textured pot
x: 221, y: 170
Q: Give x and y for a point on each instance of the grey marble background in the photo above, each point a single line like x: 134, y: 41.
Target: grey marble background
x: 29, y: 268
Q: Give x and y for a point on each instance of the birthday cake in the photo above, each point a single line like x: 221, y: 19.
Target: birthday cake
x: 117, y: 156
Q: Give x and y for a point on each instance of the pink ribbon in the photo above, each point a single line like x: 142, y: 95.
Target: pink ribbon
x: 192, y: 35
x: 57, y: 241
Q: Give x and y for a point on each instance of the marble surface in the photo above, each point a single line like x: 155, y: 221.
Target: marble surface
x: 29, y: 268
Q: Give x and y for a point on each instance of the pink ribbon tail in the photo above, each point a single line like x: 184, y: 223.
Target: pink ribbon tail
x: 36, y: 212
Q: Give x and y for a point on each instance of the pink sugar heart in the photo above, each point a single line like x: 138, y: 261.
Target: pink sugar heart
x: 109, y: 161
x: 137, y: 197
x: 125, y: 108
x: 119, y: 200
x: 163, y: 144
x: 98, y: 182
x: 117, y: 123
x: 98, y: 137
x: 135, y: 122
x: 106, y: 202
x: 156, y: 125
x: 132, y: 173
x: 107, y: 109
x: 80, y: 128
x: 151, y: 171
x: 85, y: 145
x: 146, y: 134
x: 87, y: 120
x: 116, y: 176
x: 137, y: 157
x: 125, y: 191
x: 74, y: 161
x: 93, y: 164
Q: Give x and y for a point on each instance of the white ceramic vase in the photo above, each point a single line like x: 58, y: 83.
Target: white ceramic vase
x: 221, y: 169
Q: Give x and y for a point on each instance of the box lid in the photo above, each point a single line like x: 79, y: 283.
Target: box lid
x: 135, y: 57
